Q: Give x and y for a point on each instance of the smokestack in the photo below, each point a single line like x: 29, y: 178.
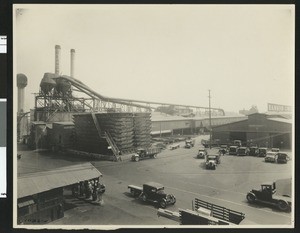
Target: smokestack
x: 57, y: 60
x: 72, y: 62
x: 21, y: 84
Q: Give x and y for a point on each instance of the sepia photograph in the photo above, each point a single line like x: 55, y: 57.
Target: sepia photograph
x: 153, y: 116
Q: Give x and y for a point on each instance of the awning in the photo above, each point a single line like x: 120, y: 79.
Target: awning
x: 43, y: 181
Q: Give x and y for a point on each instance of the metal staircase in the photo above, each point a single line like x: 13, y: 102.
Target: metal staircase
x: 108, y: 138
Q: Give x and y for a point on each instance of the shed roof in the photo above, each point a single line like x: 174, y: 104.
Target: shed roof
x: 43, y: 181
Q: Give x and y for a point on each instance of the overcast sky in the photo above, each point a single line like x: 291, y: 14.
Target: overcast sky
x: 163, y: 53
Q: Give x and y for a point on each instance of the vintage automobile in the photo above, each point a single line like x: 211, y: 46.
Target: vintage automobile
x: 212, y: 161
x: 262, y: 151
x: 281, y: 157
x: 275, y: 149
x: 189, y: 143
x: 253, y: 151
x: 201, y: 153
x: 143, y: 153
x: 242, y: 151
x: 223, y: 149
x: 267, y: 194
x: 233, y: 150
x: 153, y: 192
x: 270, y: 157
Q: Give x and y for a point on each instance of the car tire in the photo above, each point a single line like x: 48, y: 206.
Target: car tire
x: 251, y: 197
x: 283, y: 205
x: 133, y: 192
x: 163, y: 204
x: 154, y: 156
x: 136, y: 159
x: 144, y: 197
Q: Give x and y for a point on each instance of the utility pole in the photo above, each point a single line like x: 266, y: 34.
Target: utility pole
x: 210, y: 130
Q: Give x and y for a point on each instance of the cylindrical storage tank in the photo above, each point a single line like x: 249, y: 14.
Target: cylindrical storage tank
x: 47, y: 83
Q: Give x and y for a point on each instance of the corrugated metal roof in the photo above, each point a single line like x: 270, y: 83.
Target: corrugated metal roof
x: 289, y: 121
x: 44, y: 181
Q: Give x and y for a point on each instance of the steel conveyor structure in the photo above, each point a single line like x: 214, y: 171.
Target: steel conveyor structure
x: 99, y: 103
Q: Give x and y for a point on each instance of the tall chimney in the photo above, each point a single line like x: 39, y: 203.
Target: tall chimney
x: 57, y: 60
x: 72, y: 62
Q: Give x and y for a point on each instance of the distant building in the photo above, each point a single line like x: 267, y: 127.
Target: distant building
x: 252, y: 110
x: 259, y: 129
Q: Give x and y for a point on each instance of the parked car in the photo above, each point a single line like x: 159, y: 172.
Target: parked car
x: 253, y: 151
x: 281, y: 157
x: 242, y: 151
x: 262, y: 151
x: 223, y: 149
x: 233, y: 150
x: 271, y: 157
x: 275, y: 149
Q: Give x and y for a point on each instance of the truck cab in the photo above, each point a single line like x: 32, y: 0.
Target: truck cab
x: 267, y: 194
x: 154, y: 192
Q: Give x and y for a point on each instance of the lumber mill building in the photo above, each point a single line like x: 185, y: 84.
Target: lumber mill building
x: 261, y: 129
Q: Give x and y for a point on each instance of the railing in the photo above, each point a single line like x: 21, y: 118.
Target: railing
x: 221, y: 212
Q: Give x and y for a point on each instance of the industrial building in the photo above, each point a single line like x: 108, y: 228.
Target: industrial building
x: 265, y: 130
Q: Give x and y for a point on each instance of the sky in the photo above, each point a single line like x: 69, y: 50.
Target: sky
x: 244, y: 54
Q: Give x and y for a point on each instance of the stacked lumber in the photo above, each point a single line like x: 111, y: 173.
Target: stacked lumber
x: 142, y: 130
x: 128, y: 130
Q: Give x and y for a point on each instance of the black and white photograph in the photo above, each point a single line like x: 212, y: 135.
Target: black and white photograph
x: 153, y: 116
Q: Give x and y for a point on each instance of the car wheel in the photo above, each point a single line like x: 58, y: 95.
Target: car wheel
x: 154, y: 156
x: 163, y: 204
x: 136, y: 159
x: 132, y: 192
x: 283, y: 205
x: 144, y: 197
x: 251, y: 197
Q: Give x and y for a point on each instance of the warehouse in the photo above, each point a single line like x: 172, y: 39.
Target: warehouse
x: 265, y: 130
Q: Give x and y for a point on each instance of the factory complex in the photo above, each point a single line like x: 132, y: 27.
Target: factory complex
x: 94, y: 127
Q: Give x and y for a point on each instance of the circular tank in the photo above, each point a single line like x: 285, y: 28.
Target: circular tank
x: 62, y: 85
x: 47, y: 83
x: 21, y: 80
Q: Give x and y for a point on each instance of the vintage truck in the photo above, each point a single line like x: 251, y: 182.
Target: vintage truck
x: 267, y: 194
x: 153, y: 192
x: 143, y: 153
